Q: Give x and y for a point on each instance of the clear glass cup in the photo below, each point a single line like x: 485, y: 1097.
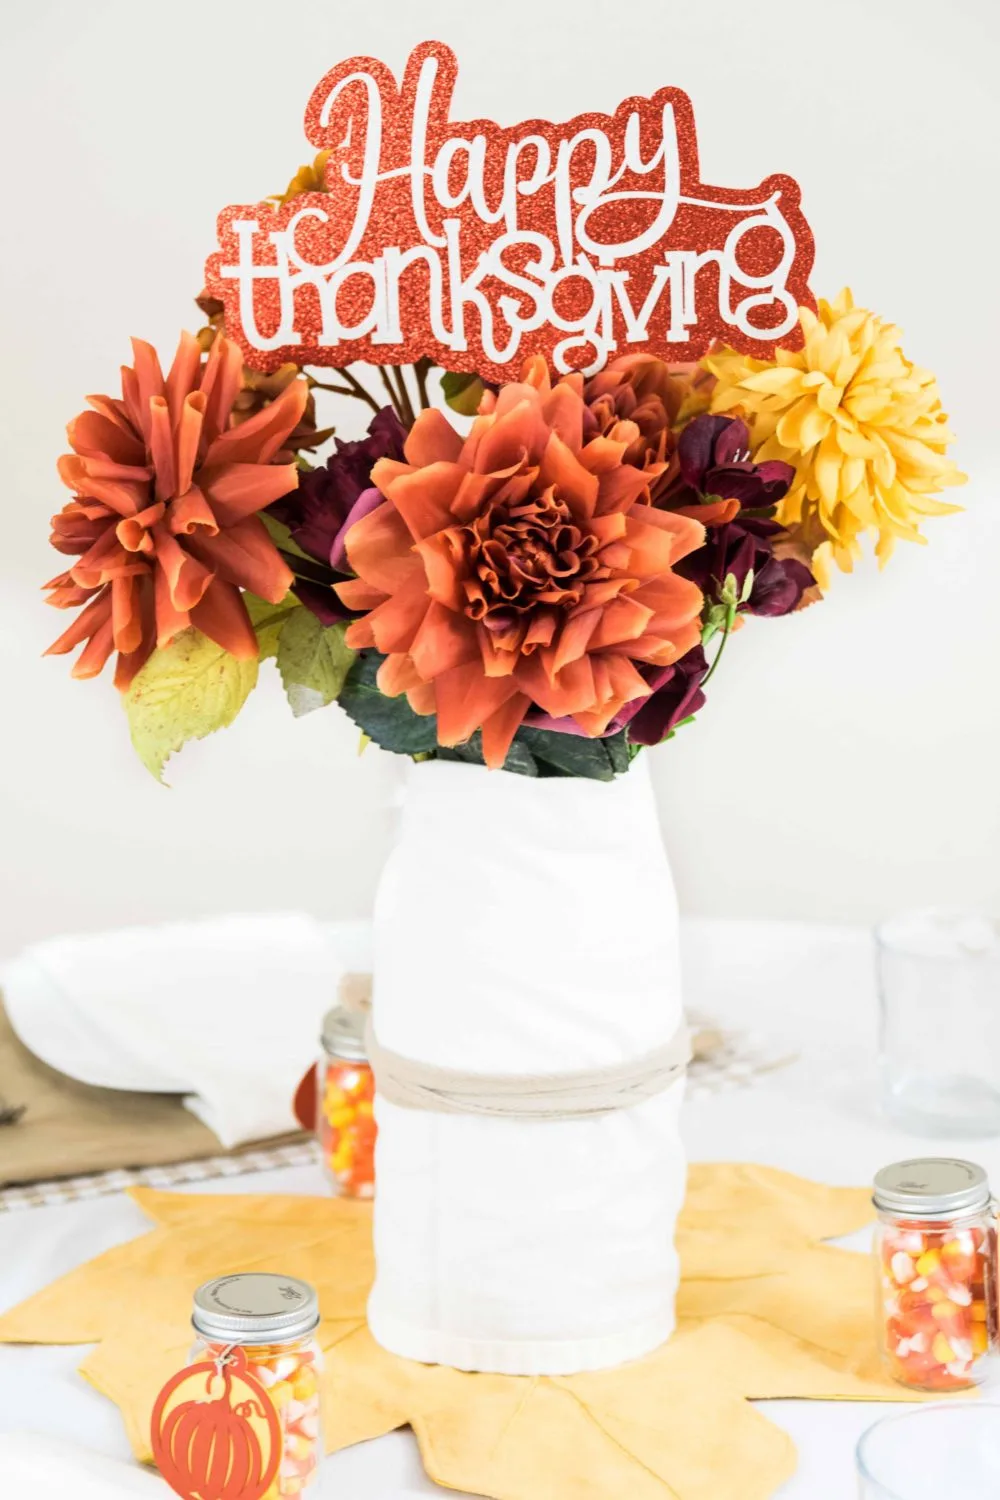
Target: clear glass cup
x: 939, y: 999
x: 935, y: 1452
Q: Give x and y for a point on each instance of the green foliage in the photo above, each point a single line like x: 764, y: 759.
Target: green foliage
x: 185, y: 691
x: 282, y: 537
x: 720, y: 616
x: 268, y: 621
x: 313, y: 661
x: 544, y: 752
x: 573, y: 755
x: 462, y: 393
x: 519, y: 760
x: 389, y: 722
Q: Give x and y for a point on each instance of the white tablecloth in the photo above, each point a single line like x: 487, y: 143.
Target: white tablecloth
x: 811, y: 988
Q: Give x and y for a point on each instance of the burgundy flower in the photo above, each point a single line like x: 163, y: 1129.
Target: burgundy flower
x: 735, y: 498
x: 714, y: 455
x: 326, y: 505
x: 676, y: 695
x: 738, y: 548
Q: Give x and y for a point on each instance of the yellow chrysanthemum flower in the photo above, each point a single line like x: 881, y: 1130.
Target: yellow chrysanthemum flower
x: 861, y: 425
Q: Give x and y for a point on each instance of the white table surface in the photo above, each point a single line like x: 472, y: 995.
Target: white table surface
x: 811, y: 988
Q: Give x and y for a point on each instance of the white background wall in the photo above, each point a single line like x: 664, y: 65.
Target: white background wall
x: 848, y: 761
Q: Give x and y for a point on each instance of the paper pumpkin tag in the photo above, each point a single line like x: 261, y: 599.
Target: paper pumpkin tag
x: 215, y: 1432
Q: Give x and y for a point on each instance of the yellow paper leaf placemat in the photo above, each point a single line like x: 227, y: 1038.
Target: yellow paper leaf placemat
x: 765, y: 1309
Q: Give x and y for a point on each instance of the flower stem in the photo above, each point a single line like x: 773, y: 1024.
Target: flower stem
x: 360, y: 391
x: 420, y: 370
x: 408, y: 414
x: 393, y: 394
x: 718, y: 655
x: 337, y: 390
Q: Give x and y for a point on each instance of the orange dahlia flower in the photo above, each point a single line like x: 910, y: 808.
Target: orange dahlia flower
x: 639, y: 389
x: 520, y: 567
x: 163, y: 518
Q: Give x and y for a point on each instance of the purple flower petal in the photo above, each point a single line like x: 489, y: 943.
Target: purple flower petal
x: 321, y: 600
x: 676, y: 696
x: 695, y: 448
x: 324, y: 507
x: 366, y: 502
x: 732, y: 443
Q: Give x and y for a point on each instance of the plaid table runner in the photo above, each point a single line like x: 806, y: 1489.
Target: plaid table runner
x: 101, y: 1184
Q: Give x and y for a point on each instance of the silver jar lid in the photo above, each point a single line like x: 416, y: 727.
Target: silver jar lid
x: 343, y: 1034
x: 931, y: 1187
x: 255, y: 1307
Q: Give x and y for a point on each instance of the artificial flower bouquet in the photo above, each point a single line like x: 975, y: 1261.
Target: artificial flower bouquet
x: 541, y: 589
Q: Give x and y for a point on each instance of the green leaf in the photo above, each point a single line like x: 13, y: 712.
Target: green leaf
x: 390, y: 722
x: 617, y: 747
x: 313, y: 661
x: 268, y: 621
x: 462, y: 392
x: 185, y: 691
x: 670, y: 733
x: 282, y: 537
x: 569, y: 754
x: 519, y: 760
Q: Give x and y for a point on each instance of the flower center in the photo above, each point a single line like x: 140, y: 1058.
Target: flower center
x: 523, y: 554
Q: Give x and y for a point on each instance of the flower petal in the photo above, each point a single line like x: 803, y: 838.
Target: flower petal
x: 432, y: 439
x: 260, y: 437
x: 222, y: 616
x: 465, y: 699
x: 239, y: 490
x: 500, y: 728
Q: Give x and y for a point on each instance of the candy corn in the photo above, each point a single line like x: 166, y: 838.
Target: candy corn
x: 936, y: 1288
x: 289, y: 1375
x: 346, y: 1126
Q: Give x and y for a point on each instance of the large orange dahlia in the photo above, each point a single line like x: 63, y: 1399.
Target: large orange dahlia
x: 163, y: 519
x: 520, y: 568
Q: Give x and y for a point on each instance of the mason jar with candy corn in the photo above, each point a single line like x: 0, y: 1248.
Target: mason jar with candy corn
x: 345, y: 1104
x: 263, y: 1327
x: 936, y: 1270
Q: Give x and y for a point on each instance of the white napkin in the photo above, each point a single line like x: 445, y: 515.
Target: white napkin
x: 47, y: 1468
x: 226, y: 1011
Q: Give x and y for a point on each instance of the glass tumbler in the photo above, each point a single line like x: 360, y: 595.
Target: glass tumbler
x: 935, y: 1452
x: 939, y: 1000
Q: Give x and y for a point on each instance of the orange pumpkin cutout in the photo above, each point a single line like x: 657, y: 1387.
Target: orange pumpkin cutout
x: 215, y: 1432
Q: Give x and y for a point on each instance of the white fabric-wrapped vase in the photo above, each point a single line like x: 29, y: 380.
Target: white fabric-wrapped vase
x: 526, y: 926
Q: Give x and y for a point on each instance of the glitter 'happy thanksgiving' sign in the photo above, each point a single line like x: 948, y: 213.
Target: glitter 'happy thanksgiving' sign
x: 477, y: 244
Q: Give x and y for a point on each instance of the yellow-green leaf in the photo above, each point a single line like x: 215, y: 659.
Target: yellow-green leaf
x: 268, y: 621
x: 313, y: 661
x: 462, y: 392
x: 185, y: 691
